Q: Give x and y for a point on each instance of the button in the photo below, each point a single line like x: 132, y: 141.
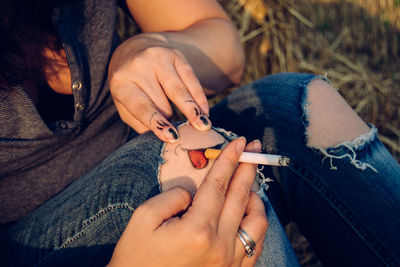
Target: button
x: 79, y: 107
x: 77, y: 85
x: 63, y: 125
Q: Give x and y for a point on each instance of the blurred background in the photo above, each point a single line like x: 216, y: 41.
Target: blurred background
x: 355, y: 43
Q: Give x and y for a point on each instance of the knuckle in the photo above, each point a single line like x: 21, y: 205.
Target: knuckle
x: 264, y: 223
x: 229, y: 161
x: 178, y: 54
x: 142, y: 211
x: 199, y: 96
x: 261, y: 222
x: 243, y: 195
x: 136, y: 62
x: 156, y: 51
x: 116, y: 81
x: 143, y: 108
x: 186, y: 69
x: 165, y: 108
x: 168, y: 112
x: 202, y: 238
x: 220, y: 184
x: 176, y: 90
x: 146, y: 57
x: 183, y: 194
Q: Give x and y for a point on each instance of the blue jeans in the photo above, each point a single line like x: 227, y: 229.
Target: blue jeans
x: 345, y: 199
x: 81, y: 225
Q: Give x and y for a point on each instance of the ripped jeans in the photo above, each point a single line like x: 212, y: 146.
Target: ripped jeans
x: 345, y: 200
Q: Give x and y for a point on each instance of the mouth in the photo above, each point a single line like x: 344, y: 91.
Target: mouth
x: 197, y: 156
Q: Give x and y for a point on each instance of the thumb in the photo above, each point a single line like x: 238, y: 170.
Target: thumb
x: 162, y: 207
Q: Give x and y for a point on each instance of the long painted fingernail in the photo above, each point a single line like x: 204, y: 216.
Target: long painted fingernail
x: 171, y: 134
x: 202, y: 123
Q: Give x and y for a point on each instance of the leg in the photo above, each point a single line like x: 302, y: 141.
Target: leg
x: 331, y: 119
x: 342, y: 185
x: 277, y: 248
x: 81, y: 225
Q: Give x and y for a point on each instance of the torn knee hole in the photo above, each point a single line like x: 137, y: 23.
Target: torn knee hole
x: 330, y: 120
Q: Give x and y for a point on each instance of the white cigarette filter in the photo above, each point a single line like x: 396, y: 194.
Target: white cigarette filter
x: 249, y: 157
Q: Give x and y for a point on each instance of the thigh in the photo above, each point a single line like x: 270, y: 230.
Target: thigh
x: 82, y: 224
x: 277, y: 249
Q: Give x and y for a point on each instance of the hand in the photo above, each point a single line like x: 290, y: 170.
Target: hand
x: 144, y: 74
x: 206, y: 233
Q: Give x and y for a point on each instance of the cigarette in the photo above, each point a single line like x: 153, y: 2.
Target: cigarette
x: 249, y: 157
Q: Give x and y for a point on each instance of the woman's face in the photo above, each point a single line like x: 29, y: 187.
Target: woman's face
x: 183, y: 166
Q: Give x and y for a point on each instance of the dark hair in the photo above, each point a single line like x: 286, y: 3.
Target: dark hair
x: 26, y: 30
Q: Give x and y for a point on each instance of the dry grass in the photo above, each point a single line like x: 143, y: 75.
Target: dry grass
x: 355, y: 43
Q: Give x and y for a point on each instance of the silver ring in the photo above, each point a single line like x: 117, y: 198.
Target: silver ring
x: 247, y: 242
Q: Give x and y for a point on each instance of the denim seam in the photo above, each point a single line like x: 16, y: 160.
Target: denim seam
x: 336, y: 204
x: 85, y: 224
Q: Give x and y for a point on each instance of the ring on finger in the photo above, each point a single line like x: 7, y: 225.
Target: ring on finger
x: 247, y: 242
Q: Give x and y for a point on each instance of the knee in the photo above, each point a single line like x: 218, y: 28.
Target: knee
x: 331, y: 120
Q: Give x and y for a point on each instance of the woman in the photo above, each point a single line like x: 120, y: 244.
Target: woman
x: 185, y: 46
x: 50, y: 54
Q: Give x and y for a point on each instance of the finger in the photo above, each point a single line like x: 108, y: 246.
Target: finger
x: 188, y: 77
x: 251, y: 261
x: 130, y: 120
x: 238, y: 194
x: 178, y: 92
x: 162, y: 207
x: 255, y: 224
x: 152, y: 88
x: 140, y: 106
x: 136, y: 124
x: 254, y: 146
x: 210, y: 197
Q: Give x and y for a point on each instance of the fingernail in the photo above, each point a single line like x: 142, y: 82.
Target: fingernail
x: 171, y: 134
x: 205, y: 120
x: 254, y: 146
x: 240, y: 144
x: 202, y: 123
